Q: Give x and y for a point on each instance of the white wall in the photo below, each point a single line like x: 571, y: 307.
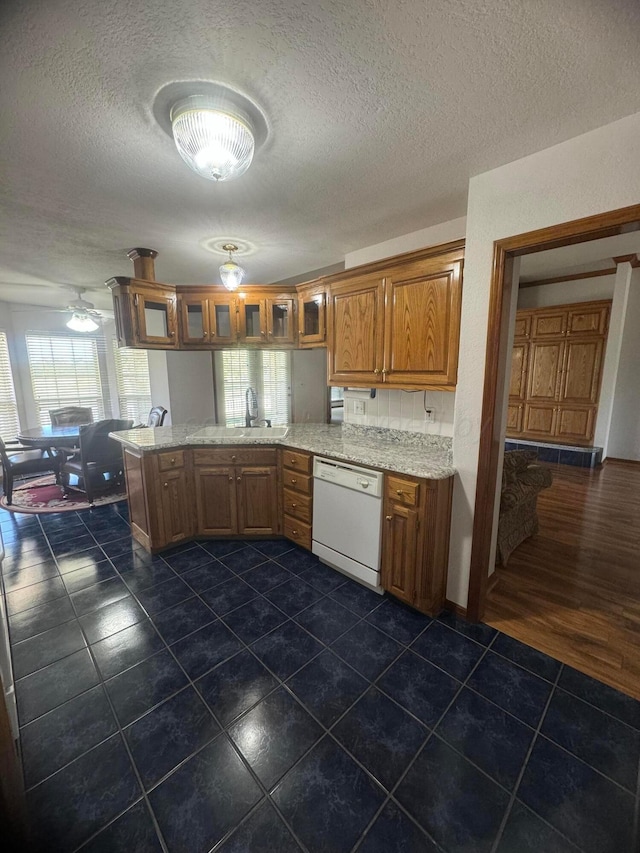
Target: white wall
x: 566, y: 292
x: 309, y: 386
x: 589, y: 174
x: 624, y: 433
x: 444, y: 232
x: 190, y: 382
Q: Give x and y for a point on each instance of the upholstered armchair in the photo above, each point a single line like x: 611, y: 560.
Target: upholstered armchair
x: 522, y: 482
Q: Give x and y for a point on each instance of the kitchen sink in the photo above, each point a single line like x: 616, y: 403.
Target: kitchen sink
x: 231, y: 433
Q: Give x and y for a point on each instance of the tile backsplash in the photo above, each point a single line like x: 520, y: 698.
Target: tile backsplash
x: 403, y: 410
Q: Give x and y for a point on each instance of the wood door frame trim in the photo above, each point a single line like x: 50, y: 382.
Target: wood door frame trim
x: 583, y: 230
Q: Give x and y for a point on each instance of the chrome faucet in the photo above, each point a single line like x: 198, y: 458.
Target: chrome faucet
x: 251, y: 409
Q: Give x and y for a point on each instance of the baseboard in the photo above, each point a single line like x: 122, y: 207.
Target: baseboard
x: 458, y: 609
x: 626, y: 461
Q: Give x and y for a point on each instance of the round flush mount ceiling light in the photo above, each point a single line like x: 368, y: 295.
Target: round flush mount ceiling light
x: 215, y: 129
x: 214, y: 139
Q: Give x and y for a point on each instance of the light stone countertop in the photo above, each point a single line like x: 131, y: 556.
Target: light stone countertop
x: 391, y: 450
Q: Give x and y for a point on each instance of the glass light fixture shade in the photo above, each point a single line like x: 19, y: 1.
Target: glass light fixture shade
x: 81, y: 322
x: 215, y: 140
x: 231, y: 274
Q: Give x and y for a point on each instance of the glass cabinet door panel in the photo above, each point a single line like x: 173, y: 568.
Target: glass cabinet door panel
x: 281, y: 320
x: 311, y: 318
x: 195, y: 321
x: 252, y: 321
x: 156, y: 319
x: 223, y: 321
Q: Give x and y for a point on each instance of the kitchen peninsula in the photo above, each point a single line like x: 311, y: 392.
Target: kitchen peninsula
x: 191, y: 481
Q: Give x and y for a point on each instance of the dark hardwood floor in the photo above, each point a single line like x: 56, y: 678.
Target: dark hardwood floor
x: 573, y: 590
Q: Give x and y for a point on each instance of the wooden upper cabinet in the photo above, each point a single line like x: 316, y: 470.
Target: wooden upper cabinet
x: 312, y: 314
x: 588, y: 320
x: 281, y: 327
x: 356, y: 331
x: 549, y: 324
x: 156, y: 318
x: 398, y: 324
x: 207, y: 321
x: 523, y: 326
x: 266, y: 319
x: 422, y: 323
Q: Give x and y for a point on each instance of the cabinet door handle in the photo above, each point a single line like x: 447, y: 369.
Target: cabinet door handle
x: 376, y: 371
x: 166, y: 485
x: 231, y: 479
x: 238, y: 479
x: 384, y: 372
x: 389, y: 517
x: 171, y: 333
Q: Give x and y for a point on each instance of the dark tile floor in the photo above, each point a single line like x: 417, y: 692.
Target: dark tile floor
x: 237, y: 696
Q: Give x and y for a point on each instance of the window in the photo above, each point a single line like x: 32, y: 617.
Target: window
x: 9, y: 423
x: 267, y: 372
x: 67, y: 371
x: 132, y: 377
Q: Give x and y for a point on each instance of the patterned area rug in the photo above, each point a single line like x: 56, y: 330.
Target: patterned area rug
x: 43, y: 495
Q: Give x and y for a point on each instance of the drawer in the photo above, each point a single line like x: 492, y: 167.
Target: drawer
x: 297, y: 461
x: 297, y: 531
x: 402, y: 491
x: 170, y: 460
x: 297, y: 505
x: 302, y: 483
x: 235, y: 456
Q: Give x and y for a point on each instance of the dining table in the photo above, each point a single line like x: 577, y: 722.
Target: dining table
x: 45, y: 437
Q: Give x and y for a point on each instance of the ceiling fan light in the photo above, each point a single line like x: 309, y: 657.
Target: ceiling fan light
x: 81, y: 322
x: 214, y: 139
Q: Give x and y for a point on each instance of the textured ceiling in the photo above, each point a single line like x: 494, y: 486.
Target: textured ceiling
x: 379, y: 113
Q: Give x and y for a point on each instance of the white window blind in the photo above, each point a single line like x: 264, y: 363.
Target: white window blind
x: 268, y: 373
x: 9, y: 423
x: 66, y: 371
x: 132, y: 377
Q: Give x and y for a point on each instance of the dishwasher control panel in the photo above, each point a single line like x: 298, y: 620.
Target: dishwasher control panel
x: 348, y: 476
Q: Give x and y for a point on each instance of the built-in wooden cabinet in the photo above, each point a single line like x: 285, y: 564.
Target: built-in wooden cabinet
x: 415, y: 540
x: 398, y: 325
x: 297, y: 496
x: 394, y: 323
x: 556, y: 371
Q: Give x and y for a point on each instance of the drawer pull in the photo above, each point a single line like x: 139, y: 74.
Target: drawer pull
x: 389, y: 517
x: 399, y: 491
x: 294, y: 531
x: 293, y: 506
x: 173, y: 461
x: 293, y: 460
x: 293, y: 480
x: 233, y: 458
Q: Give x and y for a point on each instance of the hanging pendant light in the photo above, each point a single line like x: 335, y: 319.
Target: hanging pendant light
x: 213, y: 137
x: 230, y: 272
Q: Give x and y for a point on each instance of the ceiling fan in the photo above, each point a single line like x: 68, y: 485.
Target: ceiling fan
x: 84, y: 317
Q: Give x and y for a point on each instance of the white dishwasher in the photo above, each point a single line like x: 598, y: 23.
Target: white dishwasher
x: 347, y: 519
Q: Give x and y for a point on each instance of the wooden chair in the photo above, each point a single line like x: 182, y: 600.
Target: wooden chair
x: 98, y: 463
x: 70, y: 415
x: 156, y: 416
x: 19, y: 460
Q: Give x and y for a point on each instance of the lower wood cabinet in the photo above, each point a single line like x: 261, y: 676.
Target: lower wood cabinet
x: 239, y: 495
x: 297, y: 496
x: 415, y: 540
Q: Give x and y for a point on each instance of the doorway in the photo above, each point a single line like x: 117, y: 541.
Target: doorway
x: 497, y: 359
